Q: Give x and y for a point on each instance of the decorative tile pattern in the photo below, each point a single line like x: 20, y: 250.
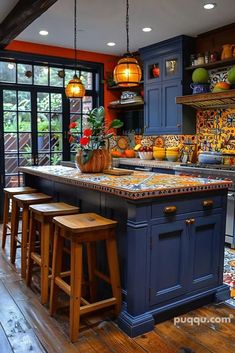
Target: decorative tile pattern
x: 139, y: 185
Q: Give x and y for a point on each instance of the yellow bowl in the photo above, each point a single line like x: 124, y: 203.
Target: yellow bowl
x: 172, y: 149
x: 159, y: 155
x: 155, y: 148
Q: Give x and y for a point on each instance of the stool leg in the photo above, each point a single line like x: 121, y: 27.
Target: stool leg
x: 14, y: 230
x: 24, y: 240
x: 76, y: 284
x: 114, y: 272
x: 56, y: 269
x: 32, y: 232
x: 45, y: 244
x: 5, y: 220
x: 91, y: 261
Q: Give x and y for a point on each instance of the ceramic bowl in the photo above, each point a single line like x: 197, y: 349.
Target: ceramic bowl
x: 210, y: 157
x: 160, y: 154
x: 146, y: 155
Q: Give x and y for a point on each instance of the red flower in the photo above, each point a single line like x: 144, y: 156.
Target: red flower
x: 72, y: 125
x: 84, y: 140
x: 87, y: 132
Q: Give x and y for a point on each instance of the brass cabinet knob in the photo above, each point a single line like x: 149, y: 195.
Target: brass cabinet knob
x: 207, y: 203
x: 190, y: 221
x: 170, y: 209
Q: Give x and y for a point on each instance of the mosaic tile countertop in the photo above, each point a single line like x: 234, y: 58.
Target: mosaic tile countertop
x: 139, y: 185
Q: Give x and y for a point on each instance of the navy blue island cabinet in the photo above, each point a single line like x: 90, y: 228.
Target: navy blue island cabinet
x: 170, y: 247
x: 165, y: 79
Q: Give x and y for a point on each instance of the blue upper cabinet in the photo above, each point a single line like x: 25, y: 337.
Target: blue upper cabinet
x: 164, y: 79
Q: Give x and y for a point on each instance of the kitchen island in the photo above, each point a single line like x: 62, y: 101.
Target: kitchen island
x: 170, y: 236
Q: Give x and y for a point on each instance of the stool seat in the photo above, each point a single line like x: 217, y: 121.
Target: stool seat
x: 19, y: 190
x: 29, y: 199
x: 23, y: 201
x: 43, y: 214
x: 53, y: 209
x: 84, y: 222
x: 8, y: 194
x: 84, y: 229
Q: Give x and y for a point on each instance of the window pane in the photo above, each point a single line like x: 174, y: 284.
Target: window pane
x: 56, y: 158
x: 87, y: 104
x: 43, y: 102
x: 41, y: 75
x: 9, y: 100
x: 56, y: 142
x: 7, y: 72
x: 43, y: 123
x: 56, y: 77
x: 11, y: 163
x: 56, y: 102
x: 43, y: 159
x: 10, y: 122
x: 86, y: 78
x: 44, y: 142
x: 11, y: 181
x: 25, y: 159
x: 10, y: 143
x: 24, y: 121
x: 56, y: 122
x: 25, y: 142
x: 24, y: 74
x: 68, y: 76
x: 75, y: 105
x: 24, y: 100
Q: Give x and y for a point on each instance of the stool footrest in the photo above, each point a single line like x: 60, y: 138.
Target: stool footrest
x: 97, y: 305
x: 63, y: 285
x: 102, y: 276
x: 36, y: 258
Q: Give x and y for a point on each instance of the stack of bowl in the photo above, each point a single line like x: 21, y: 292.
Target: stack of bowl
x: 159, y: 153
x: 172, y: 154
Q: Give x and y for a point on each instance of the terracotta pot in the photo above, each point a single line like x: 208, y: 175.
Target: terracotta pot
x: 99, y: 161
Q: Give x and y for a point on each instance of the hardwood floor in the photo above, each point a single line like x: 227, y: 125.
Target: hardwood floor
x: 25, y: 326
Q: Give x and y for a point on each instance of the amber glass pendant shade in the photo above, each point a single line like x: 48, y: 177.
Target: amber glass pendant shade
x: 127, y: 73
x: 75, y: 88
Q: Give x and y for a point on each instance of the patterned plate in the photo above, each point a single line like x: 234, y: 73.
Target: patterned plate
x: 122, y: 143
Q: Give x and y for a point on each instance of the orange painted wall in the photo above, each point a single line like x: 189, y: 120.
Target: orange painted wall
x: 109, y: 61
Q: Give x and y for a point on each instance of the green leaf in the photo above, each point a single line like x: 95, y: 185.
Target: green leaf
x: 115, y: 124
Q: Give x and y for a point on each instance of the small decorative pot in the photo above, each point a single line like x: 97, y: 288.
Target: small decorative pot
x: 99, y: 161
x: 200, y: 87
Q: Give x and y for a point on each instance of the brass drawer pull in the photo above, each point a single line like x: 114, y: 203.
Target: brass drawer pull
x: 190, y: 221
x: 170, y: 209
x: 207, y: 203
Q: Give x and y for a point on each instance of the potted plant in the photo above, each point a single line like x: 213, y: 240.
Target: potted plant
x: 93, y: 147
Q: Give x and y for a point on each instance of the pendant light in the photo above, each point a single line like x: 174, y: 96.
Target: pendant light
x: 75, y: 88
x: 127, y: 72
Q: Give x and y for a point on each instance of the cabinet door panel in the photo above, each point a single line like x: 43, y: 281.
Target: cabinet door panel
x: 204, y: 240
x: 171, y: 112
x: 153, y: 99
x: 168, y: 261
x: 172, y: 66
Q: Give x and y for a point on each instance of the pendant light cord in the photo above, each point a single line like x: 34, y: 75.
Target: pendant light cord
x: 127, y: 26
x: 75, y: 35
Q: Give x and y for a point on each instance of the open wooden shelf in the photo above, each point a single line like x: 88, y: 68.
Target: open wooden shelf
x: 127, y: 106
x: 119, y: 88
x: 224, y: 99
x: 213, y: 65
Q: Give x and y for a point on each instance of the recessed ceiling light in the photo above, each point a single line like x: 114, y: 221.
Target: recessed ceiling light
x: 43, y: 32
x: 209, y: 5
x: 147, y: 29
x: 111, y: 44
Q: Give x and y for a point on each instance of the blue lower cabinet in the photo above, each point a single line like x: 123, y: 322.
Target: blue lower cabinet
x: 169, y: 252
x: 163, y: 170
x: 204, y: 251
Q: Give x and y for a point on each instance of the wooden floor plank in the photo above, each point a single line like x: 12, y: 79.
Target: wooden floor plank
x: 153, y: 343
x: 115, y: 339
x: 179, y: 338
x: 18, y: 331
x: 5, y: 346
x: 206, y: 335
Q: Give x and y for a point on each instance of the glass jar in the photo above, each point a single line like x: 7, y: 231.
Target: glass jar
x: 200, y: 59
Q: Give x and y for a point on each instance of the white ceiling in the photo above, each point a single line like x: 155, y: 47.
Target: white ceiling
x: 101, y: 21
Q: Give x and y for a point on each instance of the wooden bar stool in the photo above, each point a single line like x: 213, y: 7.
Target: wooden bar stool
x: 44, y: 213
x: 82, y: 229
x: 23, y: 201
x: 8, y: 194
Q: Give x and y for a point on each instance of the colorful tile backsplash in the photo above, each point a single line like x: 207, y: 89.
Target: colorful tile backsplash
x: 215, y: 131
